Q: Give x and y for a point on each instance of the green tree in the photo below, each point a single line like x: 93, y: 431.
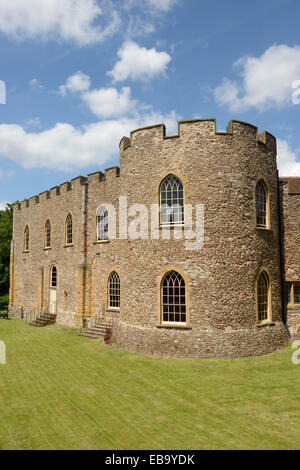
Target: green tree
x: 6, y: 223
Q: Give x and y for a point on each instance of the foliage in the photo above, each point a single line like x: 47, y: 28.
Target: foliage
x: 6, y: 222
x: 4, y: 300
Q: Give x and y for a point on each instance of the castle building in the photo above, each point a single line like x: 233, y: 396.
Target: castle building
x: 190, y: 248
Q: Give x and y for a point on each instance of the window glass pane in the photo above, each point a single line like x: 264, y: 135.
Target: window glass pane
x: 173, y: 304
x: 48, y: 234
x: 261, y: 205
x: 69, y: 230
x: 262, y: 296
x: 26, y: 239
x: 171, y: 201
x: 114, y: 291
x: 297, y: 294
x: 54, y: 277
x: 102, y: 224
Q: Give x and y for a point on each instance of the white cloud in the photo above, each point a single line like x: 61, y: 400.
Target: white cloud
x: 138, y: 63
x: 77, y: 82
x: 108, y: 102
x: 153, y: 6
x: 71, y: 20
x: 3, y: 205
x: 64, y: 146
x: 33, y: 123
x: 287, y: 159
x: 35, y: 83
x: 266, y: 81
x: 162, y: 5
x: 137, y: 27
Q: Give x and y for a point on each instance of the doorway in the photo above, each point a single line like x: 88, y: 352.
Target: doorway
x: 53, y: 287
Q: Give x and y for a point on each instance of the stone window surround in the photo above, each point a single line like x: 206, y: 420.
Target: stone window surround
x: 69, y: 214
x: 175, y: 325
x: 268, y: 321
x: 267, y: 227
x: 291, y: 285
x: 26, y: 239
x: 47, y: 247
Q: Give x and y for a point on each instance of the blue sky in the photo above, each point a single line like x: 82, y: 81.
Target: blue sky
x: 80, y: 74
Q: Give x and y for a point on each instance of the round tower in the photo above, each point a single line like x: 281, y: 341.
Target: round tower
x: 221, y: 298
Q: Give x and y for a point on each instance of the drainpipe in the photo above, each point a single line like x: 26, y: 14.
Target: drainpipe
x: 281, y: 250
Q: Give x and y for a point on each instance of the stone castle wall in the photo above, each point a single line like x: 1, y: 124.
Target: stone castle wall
x: 290, y: 197
x: 31, y: 283
x: 219, y: 171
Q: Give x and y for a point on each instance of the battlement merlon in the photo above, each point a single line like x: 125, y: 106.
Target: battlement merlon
x: 95, y: 177
x: 293, y: 184
x: 204, y: 128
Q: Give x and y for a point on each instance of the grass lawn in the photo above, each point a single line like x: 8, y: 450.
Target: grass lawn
x: 62, y: 391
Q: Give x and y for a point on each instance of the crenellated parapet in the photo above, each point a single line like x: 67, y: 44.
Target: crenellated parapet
x: 187, y: 130
x: 205, y: 128
x: 98, y: 176
x: 52, y: 193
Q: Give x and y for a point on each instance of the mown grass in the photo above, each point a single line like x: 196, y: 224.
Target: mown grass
x: 62, y: 391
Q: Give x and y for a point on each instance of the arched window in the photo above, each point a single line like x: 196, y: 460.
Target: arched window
x: 102, y: 224
x: 114, y: 290
x: 26, y: 238
x: 48, y: 234
x: 53, y: 281
x: 261, y: 204
x: 171, y: 201
x: 263, y: 297
x: 69, y: 230
x: 173, y: 298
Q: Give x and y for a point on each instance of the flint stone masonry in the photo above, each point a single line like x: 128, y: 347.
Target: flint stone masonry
x: 290, y: 208
x: 218, y: 170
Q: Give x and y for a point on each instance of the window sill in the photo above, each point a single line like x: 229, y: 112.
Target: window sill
x: 48, y: 248
x: 180, y: 326
x: 67, y: 246
x: 172, y: 226
x: 265, y: 323
x: 113, y: 309
x: 265, y: 229
x: 25, y: 251
x: 99, y: 242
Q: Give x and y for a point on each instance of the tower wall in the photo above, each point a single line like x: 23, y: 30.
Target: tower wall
x: 220, y: 171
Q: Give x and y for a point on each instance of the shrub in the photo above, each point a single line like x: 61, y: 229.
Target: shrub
x: 4, y: 300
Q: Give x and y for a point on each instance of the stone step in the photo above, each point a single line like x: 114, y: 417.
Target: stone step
x: 100, y: 327
x: 37, y: 325
x: 90, y: 334
x: 43, y: 320
x: 47, y: 316
x: 96, y: 331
